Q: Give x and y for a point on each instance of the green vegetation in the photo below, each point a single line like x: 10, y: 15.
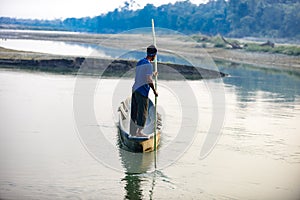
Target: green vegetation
x: 218, y: 42
x: 215, y: 41
x: 282, y: 49
x: 231, y: 18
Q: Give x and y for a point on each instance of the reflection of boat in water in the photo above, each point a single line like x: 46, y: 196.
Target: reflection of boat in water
x: 140, y: 178
x: 133, y: 143
x: 136, y: 163
x: 136, y: 166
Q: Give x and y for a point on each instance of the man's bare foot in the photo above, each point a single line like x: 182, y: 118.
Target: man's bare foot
x: 140, y: 134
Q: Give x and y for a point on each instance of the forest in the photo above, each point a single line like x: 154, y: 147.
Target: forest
x: 231, y: 18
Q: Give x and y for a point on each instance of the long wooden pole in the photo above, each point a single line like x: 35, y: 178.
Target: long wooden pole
x: 155, y: 86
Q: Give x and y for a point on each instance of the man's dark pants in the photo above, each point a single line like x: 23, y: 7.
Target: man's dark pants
x: 139, y: 111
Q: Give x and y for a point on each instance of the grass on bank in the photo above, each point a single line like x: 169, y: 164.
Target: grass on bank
x: 282, y: 49
x: 217, y: 42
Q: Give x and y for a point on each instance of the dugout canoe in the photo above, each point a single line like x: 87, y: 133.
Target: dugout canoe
x: 133, y: 143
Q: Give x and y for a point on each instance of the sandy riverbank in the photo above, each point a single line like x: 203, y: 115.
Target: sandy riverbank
x: 97, y: 66
x: 180, y: 45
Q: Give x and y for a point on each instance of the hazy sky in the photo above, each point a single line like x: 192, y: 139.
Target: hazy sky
x: 57, y: 9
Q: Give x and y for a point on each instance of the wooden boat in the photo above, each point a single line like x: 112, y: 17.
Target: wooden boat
x: 134, y: 143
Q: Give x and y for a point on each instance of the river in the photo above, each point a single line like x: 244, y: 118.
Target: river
x: 45, y: 153
x: 231, y: 138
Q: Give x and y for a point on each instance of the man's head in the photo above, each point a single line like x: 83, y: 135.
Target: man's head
x: 151, y: 52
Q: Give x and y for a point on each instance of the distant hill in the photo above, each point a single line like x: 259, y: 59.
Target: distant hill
x: 232, y: 18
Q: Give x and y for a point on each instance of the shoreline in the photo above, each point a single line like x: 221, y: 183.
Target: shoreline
x: 97, y: 66
x: 183, y: 44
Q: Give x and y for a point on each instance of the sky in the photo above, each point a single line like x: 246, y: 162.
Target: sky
x: 61, y: 9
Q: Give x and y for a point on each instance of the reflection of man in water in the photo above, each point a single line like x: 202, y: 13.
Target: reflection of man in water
x: 139, y: 100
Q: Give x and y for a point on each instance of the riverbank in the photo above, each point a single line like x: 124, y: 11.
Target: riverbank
x: 180, y: 45
x: 96, y: 66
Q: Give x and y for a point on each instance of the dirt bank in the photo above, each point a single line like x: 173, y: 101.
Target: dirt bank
x: 180, y: 44
x: 97, y: 66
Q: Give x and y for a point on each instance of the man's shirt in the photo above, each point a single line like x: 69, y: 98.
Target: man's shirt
x: 143, y: 69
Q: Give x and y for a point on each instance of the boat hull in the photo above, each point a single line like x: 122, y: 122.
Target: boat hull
x: 138, y: 144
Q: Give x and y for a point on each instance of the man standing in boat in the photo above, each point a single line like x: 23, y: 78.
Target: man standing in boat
x: 139, y: 100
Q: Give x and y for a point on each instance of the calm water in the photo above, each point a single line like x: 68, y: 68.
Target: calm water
x: 53, y: 47
x: 44, y: 154
x: 81, y: 49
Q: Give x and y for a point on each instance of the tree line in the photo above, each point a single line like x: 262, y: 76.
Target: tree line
x: 232, y: 18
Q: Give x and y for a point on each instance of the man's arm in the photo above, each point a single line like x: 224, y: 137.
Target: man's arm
x: 150, y: 83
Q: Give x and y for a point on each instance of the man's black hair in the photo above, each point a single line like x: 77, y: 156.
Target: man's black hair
x: 151, y: 50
